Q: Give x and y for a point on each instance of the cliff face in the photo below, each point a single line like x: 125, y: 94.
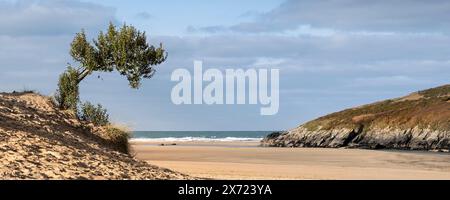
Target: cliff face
x: 37, y: 141
x: 419, y: 121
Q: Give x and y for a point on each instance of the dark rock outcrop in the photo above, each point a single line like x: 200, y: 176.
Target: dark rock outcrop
x: 415, y: 139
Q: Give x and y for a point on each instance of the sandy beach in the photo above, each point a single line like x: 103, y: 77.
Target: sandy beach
x: 245, y: 160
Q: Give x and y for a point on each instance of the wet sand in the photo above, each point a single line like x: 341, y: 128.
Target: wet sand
x: 245, y: 160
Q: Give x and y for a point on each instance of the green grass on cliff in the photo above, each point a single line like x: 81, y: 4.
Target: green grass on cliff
x: 436, y: 92
x: 426, y: 109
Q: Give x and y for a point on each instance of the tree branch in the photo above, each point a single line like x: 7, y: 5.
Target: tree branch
x: 83, y: 74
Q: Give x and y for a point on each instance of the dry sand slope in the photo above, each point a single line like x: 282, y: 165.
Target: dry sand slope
x: 38, y: 141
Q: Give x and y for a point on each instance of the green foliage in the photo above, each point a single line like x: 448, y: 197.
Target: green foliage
x: 124, y: 49
x: 94, y: 114
x: 67, y: 94
x: 81, y: 51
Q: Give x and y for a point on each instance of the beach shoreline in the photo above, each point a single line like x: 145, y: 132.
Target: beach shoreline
x: 248, y: 161
x: 230, y: 144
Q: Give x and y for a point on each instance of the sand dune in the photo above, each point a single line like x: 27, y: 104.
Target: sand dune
x: 37, y: 141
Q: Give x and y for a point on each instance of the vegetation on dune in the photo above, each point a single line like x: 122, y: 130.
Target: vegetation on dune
x: 95, y: 114
x: 431, y: 110
x: 124, y: 50
x: 118, y: 137
x: 67, y: 94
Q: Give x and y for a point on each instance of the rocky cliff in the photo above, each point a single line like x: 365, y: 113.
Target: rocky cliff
x: 419, y: 121
x: 38, y: 141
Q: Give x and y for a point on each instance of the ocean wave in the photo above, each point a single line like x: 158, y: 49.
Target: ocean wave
x: 196, y: 139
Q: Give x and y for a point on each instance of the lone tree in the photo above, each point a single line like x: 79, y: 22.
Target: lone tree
x: 123, y: 49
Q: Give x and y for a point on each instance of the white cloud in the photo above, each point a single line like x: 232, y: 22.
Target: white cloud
x: 52, y: 17
x: 144, y: 15
x: 370, y: 17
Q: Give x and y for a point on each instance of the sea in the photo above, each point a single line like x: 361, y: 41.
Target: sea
x: 203, y: 136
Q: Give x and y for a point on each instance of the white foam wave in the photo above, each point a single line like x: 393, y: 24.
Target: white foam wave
x: 196, y: 139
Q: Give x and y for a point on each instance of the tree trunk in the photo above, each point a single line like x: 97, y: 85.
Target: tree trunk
x: 83, y: 74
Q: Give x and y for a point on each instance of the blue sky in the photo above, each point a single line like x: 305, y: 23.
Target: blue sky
x: 331, y: 54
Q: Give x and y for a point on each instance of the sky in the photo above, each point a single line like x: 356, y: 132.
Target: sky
x: 331, y: 54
